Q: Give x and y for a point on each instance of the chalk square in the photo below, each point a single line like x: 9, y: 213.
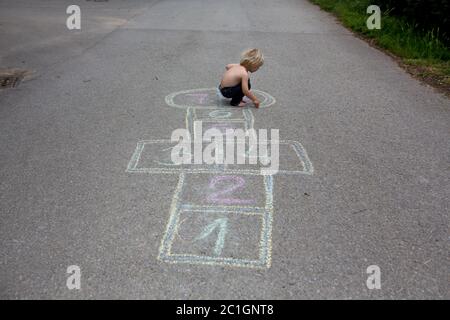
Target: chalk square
x: 231, y: 234
x: 153, y: 156
x: 217, y: 214
x: 232, y: 191
x: 222, y: 126
x: 226, y: 114
x: 292, y: 158
x: 186, y: 241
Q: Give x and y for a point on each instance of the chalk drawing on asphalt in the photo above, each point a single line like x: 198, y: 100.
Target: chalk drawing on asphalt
x: 206, y: 98
x: 212, y: 203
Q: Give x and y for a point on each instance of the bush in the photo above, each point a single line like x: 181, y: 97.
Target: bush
x: 424, y: 15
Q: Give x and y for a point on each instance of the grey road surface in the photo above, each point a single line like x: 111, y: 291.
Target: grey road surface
x: 378, y: 141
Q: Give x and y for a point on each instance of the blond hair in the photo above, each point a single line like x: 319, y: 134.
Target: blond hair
x: 252, y: 58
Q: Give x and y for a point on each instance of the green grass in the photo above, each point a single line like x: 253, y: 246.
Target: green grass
x: 398, y: 36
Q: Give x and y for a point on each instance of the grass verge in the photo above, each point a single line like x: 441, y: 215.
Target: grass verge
x: 422, y: 53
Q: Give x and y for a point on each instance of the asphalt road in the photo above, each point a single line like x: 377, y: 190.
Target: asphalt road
x: 378, y: 140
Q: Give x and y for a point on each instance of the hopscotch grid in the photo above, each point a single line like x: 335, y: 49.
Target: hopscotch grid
x: 265, y: 242
x: 191, y: 116
x: 264, y: 246
x: 177, y: 208
x: 246, y: 128
x: 264, y: 249
x: 295, y: 145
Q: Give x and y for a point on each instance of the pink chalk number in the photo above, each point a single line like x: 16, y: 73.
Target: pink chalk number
x: 229, y: 184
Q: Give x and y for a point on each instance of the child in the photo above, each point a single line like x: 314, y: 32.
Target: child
x: 235, y: 82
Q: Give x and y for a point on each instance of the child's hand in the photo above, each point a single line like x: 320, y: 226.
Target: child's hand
x: 256, y: 102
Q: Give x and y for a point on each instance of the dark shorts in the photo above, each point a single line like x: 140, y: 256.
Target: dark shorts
x: 235, y: 93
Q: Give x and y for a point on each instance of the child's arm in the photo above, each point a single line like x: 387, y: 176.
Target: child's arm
x: 229, y: 66
x: 247, y: 91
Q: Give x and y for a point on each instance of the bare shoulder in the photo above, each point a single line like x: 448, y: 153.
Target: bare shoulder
x: 231, y: 65
x: 241, y: 70
x: 243, y: 73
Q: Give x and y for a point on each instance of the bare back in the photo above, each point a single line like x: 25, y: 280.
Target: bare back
x: 233, y: 75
